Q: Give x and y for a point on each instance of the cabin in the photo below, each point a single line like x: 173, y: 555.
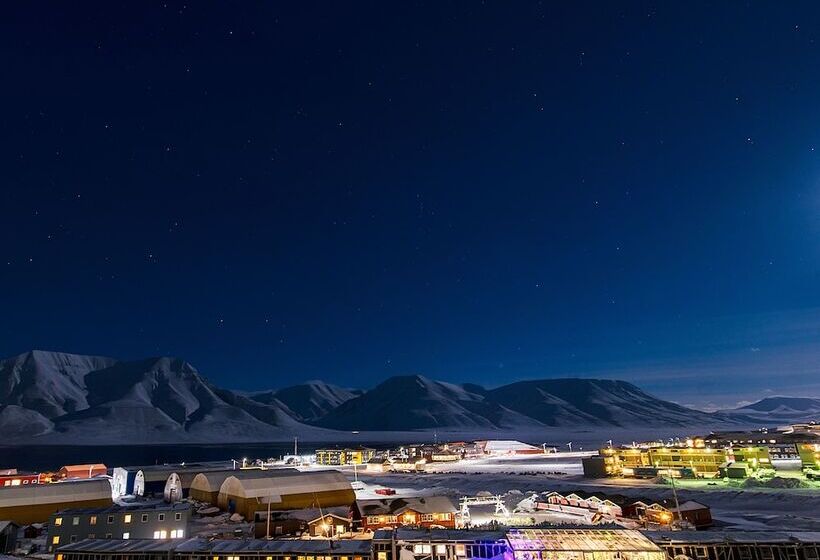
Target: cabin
x: 430, y: 512
x: 699, y: 515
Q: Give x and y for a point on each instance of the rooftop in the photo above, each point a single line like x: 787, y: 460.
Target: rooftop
x: 621, y: 540
x: 161, y: 506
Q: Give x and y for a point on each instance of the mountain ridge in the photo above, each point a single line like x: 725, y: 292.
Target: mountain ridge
x: 56, y: 396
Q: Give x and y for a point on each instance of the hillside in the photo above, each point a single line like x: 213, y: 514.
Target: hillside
x: 52, y: 397
x: 781, y: 409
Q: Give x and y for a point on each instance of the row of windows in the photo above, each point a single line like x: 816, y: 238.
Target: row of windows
x: 18, y: 482
x: 174, y: 534
x: 92, y: 520
x: 288, y: 558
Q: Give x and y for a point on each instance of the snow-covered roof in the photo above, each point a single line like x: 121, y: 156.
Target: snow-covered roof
x: 211, y: 481
x: 56, y: 493
x: 396, y: 506
x: 691, y: 505
x: 281, y: 482
x: 580, y: 540
x: 502, y: 445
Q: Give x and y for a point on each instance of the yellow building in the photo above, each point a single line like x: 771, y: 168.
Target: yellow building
x: 703, y: 461
x: 357, y: 456
x: 756, y: 456
x: 809, y: 455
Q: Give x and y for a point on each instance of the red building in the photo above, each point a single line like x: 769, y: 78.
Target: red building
x: 429, y: 512
x: 82, y: 471
x: 21, y: 479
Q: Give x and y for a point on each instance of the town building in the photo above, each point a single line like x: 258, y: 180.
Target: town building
x: 214, y: 549
x: 36, y: 502
x: 346, y: 456
x: 442, y: 544
x: 22, y: 479
x: 600, y: 544
x: 82, y: 471
x: 737, y: 545
x: 676, y: 461
x: 8, y: 536
x: 324, y: 522
x: 508, y: 447
x: 160, y: 521
x: 439, y: 544
x: 247, y: 492
x: 430, y: 511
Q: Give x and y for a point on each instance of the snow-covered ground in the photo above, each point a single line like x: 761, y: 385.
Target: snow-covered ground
x: 515, y: 478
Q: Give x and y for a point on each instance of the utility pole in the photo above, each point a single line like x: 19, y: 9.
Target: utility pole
x: 296, y: 446
x: 569, y: 444
x: 267, y: 522
x: 675, y: 496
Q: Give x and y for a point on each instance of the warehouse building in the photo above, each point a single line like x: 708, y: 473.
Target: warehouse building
x: 205, y: 486
x: 158, y: 521
x: 247, y: 492
x: 738, y: 545
x: 178, y: 483
x: 35, y: 503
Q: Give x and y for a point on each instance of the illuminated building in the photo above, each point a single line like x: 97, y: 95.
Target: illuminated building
x: 347, y: 456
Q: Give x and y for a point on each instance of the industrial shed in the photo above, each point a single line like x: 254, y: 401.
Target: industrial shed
x: 178, y: 483
x: 251, y: 491
x: 35, y: 503
x: 205, y: 485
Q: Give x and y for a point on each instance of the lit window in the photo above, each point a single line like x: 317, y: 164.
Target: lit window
x: 59, y: 557
x: 15, y: 482
x: 92, y: 520
x: 126, y: 536
x: 127, y: 518
x: 58, y: 521
x: 382, y: 556
x: 441, y: 549
x: 55, y: 539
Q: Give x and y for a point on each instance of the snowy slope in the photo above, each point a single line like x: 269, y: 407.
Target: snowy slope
x: 781, y: 409
x: 601, y: 402
x: 62, y: 397
x: 414, y: 402
x: 308, y: 401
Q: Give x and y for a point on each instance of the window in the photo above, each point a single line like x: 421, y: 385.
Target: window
x: 58, y: 521
x: 441, y: 549
x: 178, y: 516
x: 161, y: 517
x: 177, y: 534
x: 127, y: 518
x: 110, y: 519
x: 108, y: 535
x: 382, y: 556
x: 92, y: 520
x: 126, y: 536
x: 164, y: 535
x: 144, y: 518
x: 92, y: 536
x: 72, y: 538
x: 15, y: 482
x: 55, y: 539
x: 75, y: 520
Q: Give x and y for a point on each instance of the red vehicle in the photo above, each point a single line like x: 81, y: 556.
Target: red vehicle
x: 385, y: 491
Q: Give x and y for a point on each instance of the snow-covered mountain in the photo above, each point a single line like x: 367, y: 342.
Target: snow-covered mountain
x: 309, y: 401
x: 52, y: 397
x: 70, y: 398
x: 594, y: 402
x: 414, y: 402
x: 781, y: 409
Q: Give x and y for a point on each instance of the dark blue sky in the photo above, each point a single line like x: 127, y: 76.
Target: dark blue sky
x: 477, y: 192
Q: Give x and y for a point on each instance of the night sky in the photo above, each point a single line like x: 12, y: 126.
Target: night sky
x: 479, y: 192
